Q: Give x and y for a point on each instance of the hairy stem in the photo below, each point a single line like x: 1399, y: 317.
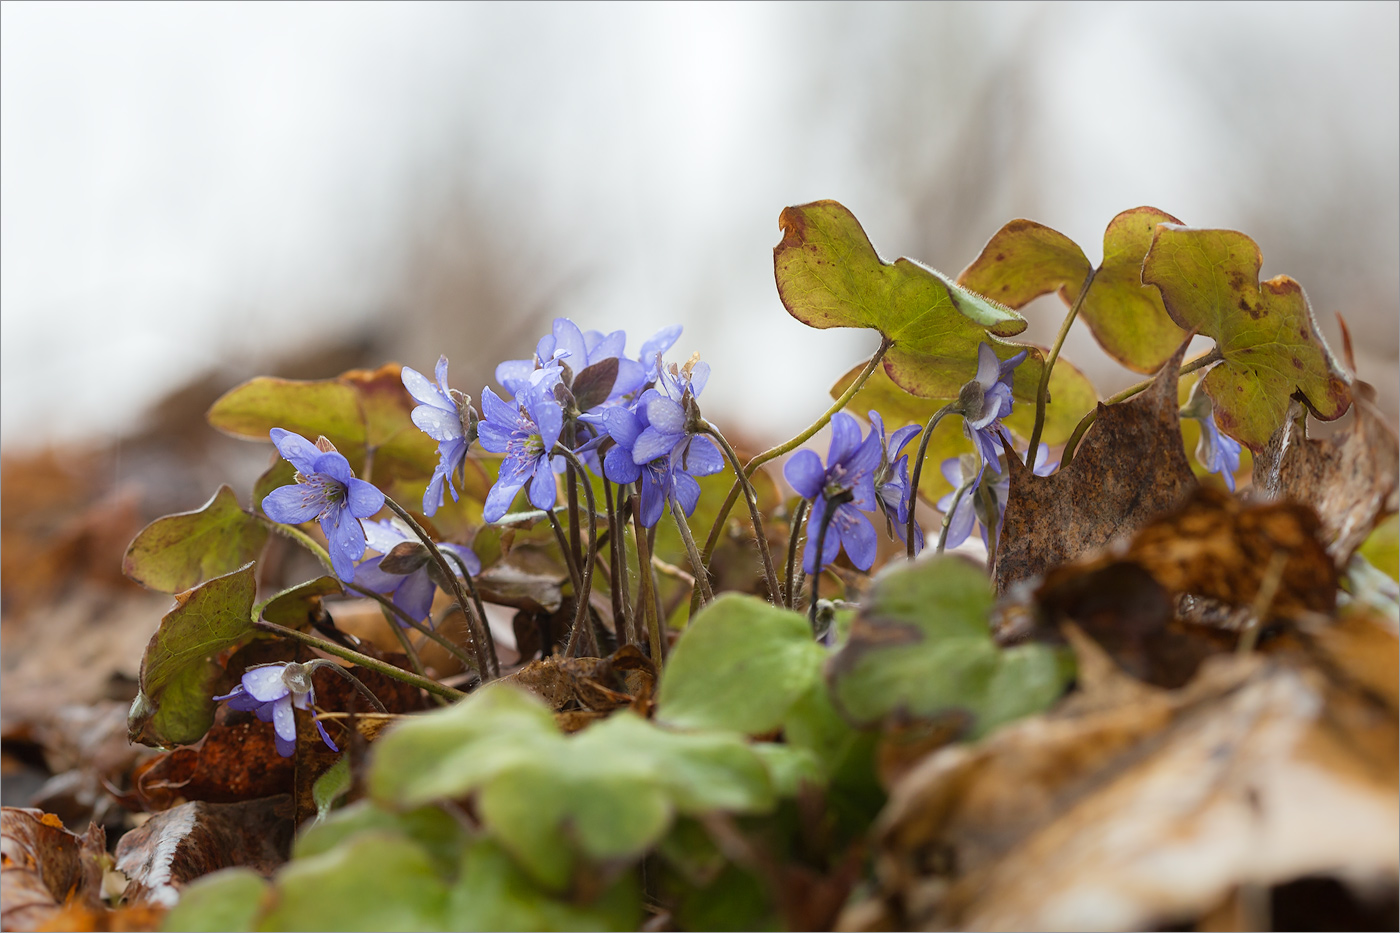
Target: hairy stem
x: 482, y: 643
x: 918, y: 471
x: 581, y: 595
x: 1199, y: 362
x: 621, y: 625
x: 775, y: 594
x: 794, y: 532
x: 644, y: 582
x: 317, y: 664
x: 832, y: 505
x: 702, y: 577
x: 793, y: 443
x: 948, y: 517
x: 427, y: 631
x: 1043, y: 392
x: 364, y: 660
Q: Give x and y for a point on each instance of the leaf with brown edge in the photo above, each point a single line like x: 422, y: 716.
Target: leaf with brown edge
x: 1265, y: 331
x: 1025, y: 260
x: 44, y: 866
x: 1221, y: 548
x: 1348, y: 478
x: 1130, y: 468
x: 829, y: 275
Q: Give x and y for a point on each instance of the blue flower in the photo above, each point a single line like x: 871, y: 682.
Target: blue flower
x: 566, y: 351
x: 271, y: 691
x: 669, y: 473
x: 525, y: 432
x: 892, y: 491
x: 405, y: 568
x: 1217, y: 452
x: 982, y: 498
x: 325, y: 490
x: 447, y: 416
x: 986, y: 400
x: 849, y: 474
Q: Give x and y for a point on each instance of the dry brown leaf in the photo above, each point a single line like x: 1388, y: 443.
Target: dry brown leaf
x: 43, y: 866
x: 174, y: 848
x: 1130, y: 468
x: 625, y: 678
x: 1137, y: 807
x: 1349, y: 479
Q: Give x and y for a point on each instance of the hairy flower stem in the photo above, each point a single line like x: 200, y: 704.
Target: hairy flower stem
x: 918, y: 471
x: 388, y: 604
x: 472, y: 591
x: 948, y: 516
x: 644, y: 584
x: 575, y: 545
x: 794, y: 534
x: 317, y: 664
x: 832, y: 505
x: 1199, y: 362
x: 581, y: 596
x: 621, y: 624
x: 1043, y: 392
x: 793, y: 443
x: 775, y: 594
x: 364, y: 660
x: 482, y: 643
x: 702, y: 576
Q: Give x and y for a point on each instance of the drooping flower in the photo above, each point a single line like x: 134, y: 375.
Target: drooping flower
x: 985, y: 400
x: 271, y: 691
x: 984, y: 501
x: 526, y: 433
x: 405, y: 568
x: 892, y: 491
x: 447, y: 416
x: 325, y: 490
x: 848, y: 478
x: 1217, y: 452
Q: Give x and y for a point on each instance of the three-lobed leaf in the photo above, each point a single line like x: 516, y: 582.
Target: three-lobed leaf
x: 829, y: 275
x: 177, y: 552
x: 1024, y: 260
x: 921, y: 648
x: 1265, y: 331
x: 174, y: 705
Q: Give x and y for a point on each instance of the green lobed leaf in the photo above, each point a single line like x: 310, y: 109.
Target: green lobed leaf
x: 829, y: 275
x: 230, y: 899
x: 331, y: 786
x: 607, y: 793
x: 175, y: 704
x: 376, y: 880
x: 178, y: 551
x: 1265, y: 332
x: 740, y: 665
x: 366, y: 414
x: 297, y: 606
x: 921, y: 647
x: 1024, y: 260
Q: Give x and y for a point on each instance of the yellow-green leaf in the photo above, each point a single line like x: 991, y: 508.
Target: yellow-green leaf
x: 179, y: 551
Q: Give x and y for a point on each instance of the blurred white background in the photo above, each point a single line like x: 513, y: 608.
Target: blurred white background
x: 196, y: 188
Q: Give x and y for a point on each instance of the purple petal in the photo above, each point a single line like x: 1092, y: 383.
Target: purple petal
x: 876, y: 422
x: 804, y: 473
x: 960, y: 525
x: 467, y: 555
x: 699, y: 378
x: 569, y: 339
x: 335, y: 466
x: 383, y: 536
x: 659, y: 342
x: 1008, y: 367
x: 292, y: 505
x: 549, y: 417
x: 988, y: 366
x: 631, y: 376
x: 515, y: 375
x: 438, y: 424
x: 701, y: 457
x: 285, y: 747
x: 264, y: 711
x: 371, y: 577
x: 845, y: 437
x: 496, y: 411
x: 363, y: 500
x: 857, y: 536
x: 295, y: 448
x: 901, y: 437
x: 686, y: 490
x: 619, y: 466
x: 653, y: 499
x: 499, y: 499
x: 244, y: 702
x: 345, y: 541
x: 623, y: 427
x: 665, y: 415
x: 602, y: 348
x: 423, y: 391
x: 493, y: 437
x: 440, y: 371
x: 324, y: 737
x: 542, y: 488
x: 415, y: 595
x: 265, y: 684
x: 652, y: 443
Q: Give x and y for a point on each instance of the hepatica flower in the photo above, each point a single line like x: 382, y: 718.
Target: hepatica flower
x: 849, y: 475
x: 447, y: 416
x: 984, y: 502
x: 892, y: 492
x: 986, y: 400
x: 525, y: 432
x: 1217, y: 452
x: 327, y: 491
x: 271, y: 691
x: 405, y: 568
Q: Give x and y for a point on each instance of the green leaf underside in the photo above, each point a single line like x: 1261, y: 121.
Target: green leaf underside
x: 223, y: 900
x: 331, y: 786
x: 829, y: 275
x: 740, y: 665
x: 921, y: 648
x: 175, y: 704
x: 179, y: 551
x: 365, y: 414
x: 294, y: 606
x: 1025, y: 260
x: 1272, y: 349
x: 607, y: 793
